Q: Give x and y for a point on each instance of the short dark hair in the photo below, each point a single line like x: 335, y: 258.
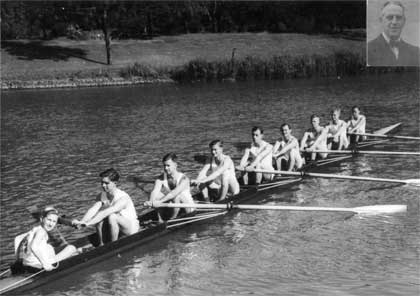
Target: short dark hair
x: 257, y: 128
x: 355, y: 107
x: 170, y: 156
x: 284, y: 125
x: 314, y: 116
x: 111, y: 173
x: 215, y: 142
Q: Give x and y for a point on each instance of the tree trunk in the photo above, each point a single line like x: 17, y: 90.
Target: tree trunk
x: 106, y: 36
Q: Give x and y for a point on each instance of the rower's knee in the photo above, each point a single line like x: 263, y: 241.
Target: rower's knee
x: 112, y: 219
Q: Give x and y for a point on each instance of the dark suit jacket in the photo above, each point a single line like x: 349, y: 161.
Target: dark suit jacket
x: 380, y: 54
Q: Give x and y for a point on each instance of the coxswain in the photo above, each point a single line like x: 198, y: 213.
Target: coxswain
x: 33, y: 249
x: 217, y: 178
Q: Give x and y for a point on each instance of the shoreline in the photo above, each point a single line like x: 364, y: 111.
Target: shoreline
x: 78, y: 83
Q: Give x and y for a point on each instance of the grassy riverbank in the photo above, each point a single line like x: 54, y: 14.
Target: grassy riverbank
x: 65, y: 63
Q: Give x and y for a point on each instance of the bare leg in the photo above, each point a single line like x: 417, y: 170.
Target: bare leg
x: 155, y: 197
x: 99, y: 228
x: 204, y: 191
x: 224, y: 188
x: 292, y: 161
x: 118, y: 223
x: 245, y: 179
x: 344, y: 143
x: 278, y: 162
x: 258, y: 178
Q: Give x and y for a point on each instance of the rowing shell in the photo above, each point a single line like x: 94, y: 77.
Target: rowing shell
x: 151, y: 230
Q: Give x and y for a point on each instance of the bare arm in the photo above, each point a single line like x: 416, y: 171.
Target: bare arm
x: 92, y: 211
x: 183, y: 185
x: 343, y: 128
x: 276, y: 147
x: 260, y: 156
x: 287, y: 147
x: 244, y: 158
x: 156, y: 189
x: 203, y: 172
x: 359, y: 123
x: 36, y: 247
x: 227, y: 162
x: 118, y: 206
x: 321, y: 137
x: 304, y: 140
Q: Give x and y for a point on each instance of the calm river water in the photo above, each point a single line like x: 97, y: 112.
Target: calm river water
x: 55, y: 142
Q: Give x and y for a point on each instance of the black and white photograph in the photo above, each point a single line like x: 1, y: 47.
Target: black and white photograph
x: 395, y: 30
x: 210, y: 148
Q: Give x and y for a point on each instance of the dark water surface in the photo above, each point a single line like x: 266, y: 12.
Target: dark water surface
x: 55, y: 142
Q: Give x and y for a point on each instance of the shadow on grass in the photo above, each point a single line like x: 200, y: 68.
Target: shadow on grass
x: 37, y: 50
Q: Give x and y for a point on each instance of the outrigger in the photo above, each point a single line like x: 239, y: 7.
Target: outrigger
x: 151, y: 229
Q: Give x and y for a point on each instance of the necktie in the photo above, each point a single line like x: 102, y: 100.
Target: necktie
x: 393, y: 43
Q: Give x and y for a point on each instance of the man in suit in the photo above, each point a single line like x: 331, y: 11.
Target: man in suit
x: 388, y: 49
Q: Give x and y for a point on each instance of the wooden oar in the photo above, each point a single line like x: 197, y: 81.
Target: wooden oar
x: 375, y: 209
x: 414, y: 182
x: 364, y: 152
x: 385, y: 136
x: 3, y: 290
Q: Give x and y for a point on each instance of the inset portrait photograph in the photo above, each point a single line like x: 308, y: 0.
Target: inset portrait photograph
x: 393, y: 33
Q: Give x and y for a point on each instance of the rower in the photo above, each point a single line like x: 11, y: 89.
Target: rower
x: 33, y: 247
x: 221, y: 180
x: 171, y: 186
x: 337, y: 136
x: 258, y: 156
x: 356, y: 124
x: 113, y: 206
x: 287, y: 150
x: 315, y: 138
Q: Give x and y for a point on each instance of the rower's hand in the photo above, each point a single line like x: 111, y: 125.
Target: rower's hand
x: 147, y: 203
x: 195, y: 182
x: 239, y: 168
x: 78, y: 224
x: 249, y: 168
x: 48, y: 267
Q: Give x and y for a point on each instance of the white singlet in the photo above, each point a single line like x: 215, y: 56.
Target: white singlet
x: 29, y: 258
x: 185, y: 195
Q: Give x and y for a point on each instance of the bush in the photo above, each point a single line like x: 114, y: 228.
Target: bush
x: 138, y: 70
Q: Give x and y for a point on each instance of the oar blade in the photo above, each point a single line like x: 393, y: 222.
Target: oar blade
x: 413, y: 182
x: 380, y: 209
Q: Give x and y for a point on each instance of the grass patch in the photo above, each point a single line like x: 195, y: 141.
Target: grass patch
x: 190, y: 57
x: 340, y: 63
